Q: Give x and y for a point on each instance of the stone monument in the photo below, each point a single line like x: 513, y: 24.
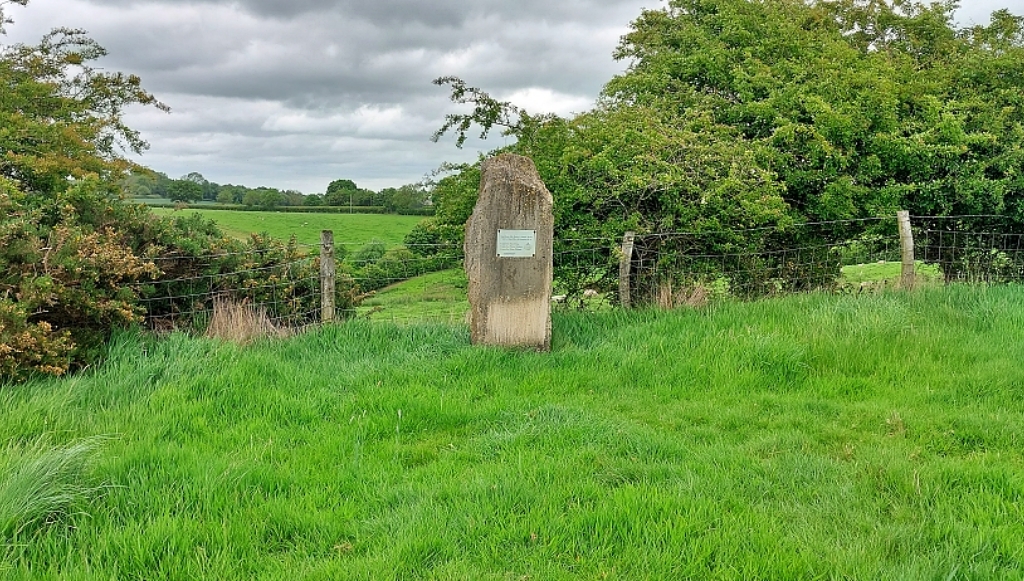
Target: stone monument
x: 509, y: 256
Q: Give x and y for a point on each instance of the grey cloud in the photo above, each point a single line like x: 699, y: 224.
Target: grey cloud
x: 294, y: 93
x: 434, y: 13
x: 304, y: 61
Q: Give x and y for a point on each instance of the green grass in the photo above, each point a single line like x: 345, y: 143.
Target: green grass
x: 350, y: 230
x: 41, y: 484
x: 887, y: 272
x: 814, y: 437
x: 435, y: 297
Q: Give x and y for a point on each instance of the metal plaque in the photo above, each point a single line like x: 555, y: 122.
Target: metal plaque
x: 517, y: 243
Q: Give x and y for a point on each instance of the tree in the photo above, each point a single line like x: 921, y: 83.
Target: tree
x: 341, y: 193
x: 342, y: 185
x: 185, y: 190
x: 737, y: 113
x: 61, y: 116
x: 859, y: 107
x: 407, y: 199
x: 75, y: 257
x: 139, y: 184
x: 263, y: 197
x: 67, y: 241
x: 293, y: 198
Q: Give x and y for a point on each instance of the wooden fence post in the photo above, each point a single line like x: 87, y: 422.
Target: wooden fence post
x: 907, y: 274
x: 625, y: 266
x: 327, y: 272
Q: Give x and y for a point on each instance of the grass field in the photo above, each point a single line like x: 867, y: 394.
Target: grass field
x: 811, y: 437
x: 436, y: 297
x: 350, y: 230
x: 888, y: 272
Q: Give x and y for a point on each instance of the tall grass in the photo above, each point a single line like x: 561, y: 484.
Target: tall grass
x: 42, y: 484
x: 812, y: 437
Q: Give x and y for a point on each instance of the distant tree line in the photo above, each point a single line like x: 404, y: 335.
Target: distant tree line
x: 193, y: 187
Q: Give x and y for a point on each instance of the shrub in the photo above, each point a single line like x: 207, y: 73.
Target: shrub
x: 75, y: 266
x: 370, y: 253
x: 76, y: 260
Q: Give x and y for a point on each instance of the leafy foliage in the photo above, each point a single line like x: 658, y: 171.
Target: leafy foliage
x: 76, y: 260
x: 62, y: 117
x: 736, y: 114
x: 184, y: 191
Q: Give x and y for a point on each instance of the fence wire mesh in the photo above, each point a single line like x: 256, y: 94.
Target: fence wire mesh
x: 283, y: 290
x: 426, y: 282
x: 406, y: 284
x: 971, y: 249
x: 691, y: 268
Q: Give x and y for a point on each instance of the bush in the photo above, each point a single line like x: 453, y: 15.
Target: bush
x: 396, y: 265
x: 369, y: 254
x: 77, y: 260
x: 26, y: 347
x: 424, y: 238
x: 76, y: 266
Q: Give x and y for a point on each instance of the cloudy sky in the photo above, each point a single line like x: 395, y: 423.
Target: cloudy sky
x: 295, y: 93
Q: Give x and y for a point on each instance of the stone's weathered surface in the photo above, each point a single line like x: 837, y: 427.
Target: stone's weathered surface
x: 510, y: 296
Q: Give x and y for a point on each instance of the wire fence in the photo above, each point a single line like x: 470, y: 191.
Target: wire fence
x: 426, y: 282
x: 691, y: 268
x: 972, y: 249
x: 410, y: 283
x: 282, y: 288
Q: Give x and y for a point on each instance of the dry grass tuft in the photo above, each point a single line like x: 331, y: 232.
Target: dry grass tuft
x: 694, y: 297
x: 241, y: 322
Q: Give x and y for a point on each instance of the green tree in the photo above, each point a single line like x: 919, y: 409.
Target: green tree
x: 75, y: 258
x: 342, y: 186
x: 65, y: 259
x: 225, y: 195
x: 264, y: 198
x: 62, y: 117
x: 231, y: 194
x: 162, y: 182
x: 859, y: 107
x: 736, y: 113
x: 185, y: 190
x: 293, y: 198
x: 407, y: 199
x: 139, y: 184
x: 341, y: 193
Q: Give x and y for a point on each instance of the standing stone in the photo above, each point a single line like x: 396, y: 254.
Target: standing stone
x: 509, y: 256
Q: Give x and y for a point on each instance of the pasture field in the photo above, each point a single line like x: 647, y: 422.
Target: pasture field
x: 437, y: 297
x: 810, y: 437
x: 888, y: 272
x: 350, y: 230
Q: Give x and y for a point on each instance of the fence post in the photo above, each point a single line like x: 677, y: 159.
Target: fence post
x: 625, y: 266
x: 327, y: 272
x: 907, y: 274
